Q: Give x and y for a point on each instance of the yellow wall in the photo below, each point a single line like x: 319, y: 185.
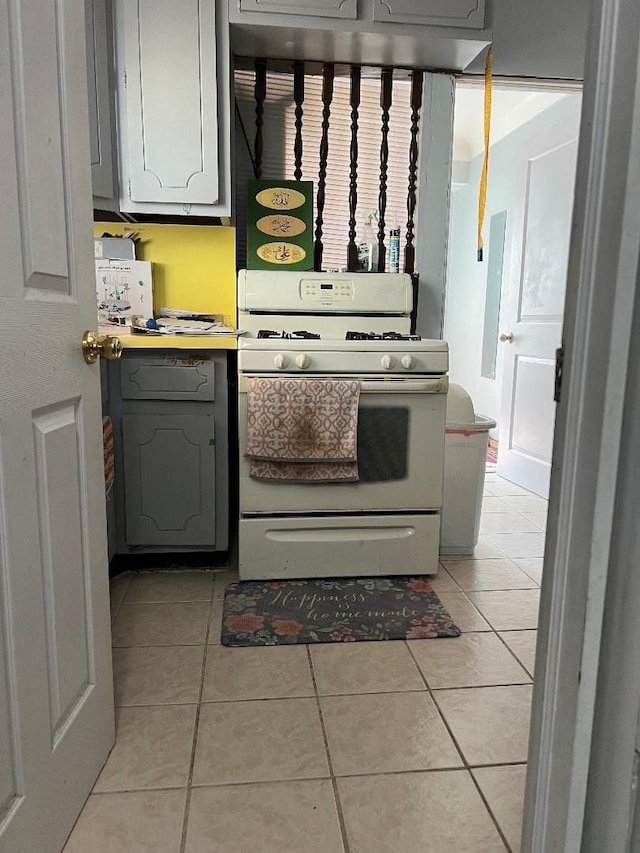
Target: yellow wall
x: 194, y: 267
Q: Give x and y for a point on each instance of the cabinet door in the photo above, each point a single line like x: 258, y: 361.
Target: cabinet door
x: 170, y: 95
x: 433, y: 13
x: 101, y: 118
x: 317, y: 8
x: 169, y: 479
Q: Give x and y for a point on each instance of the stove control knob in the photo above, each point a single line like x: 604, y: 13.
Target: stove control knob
x: 281, y: 361
x: 303, y: 360
x: 408, y: 362
x: 387, y: 362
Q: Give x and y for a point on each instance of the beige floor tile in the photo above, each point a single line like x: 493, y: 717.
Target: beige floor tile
x: 173, y: 624
x: 118, y: 587
x: 411, y: 812
x: 136, y: 822
x: 179, y: 585
x: 492, y: 504
x: 463, y: 613
x: 484, y: 550
x: 471, y: 575
x: 472, y: 660
x: 364, y: 668
x: 274, y: 817
x: 523, y: 645
x: 490, y: 724
x: 532, y: 566
x: 442, y: 582
x: 501, y: 488
x: 157, y: 675
x: 385, y: 733
x: 222, y: 581
x: 508, y: 610
x: 263, y: 672
x: 506, y: 522
x: 215, y: 628
x: 259, y: 742
x: 516, y: 545
x: 538, y: 518
x: 503, y: 788
x: 153, y: 749
x: 526, y: 503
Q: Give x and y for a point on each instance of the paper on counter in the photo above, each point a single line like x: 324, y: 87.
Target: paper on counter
x: 175, y: 321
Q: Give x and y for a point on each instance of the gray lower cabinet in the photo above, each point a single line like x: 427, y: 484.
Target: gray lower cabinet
x: 170, y: 416
x: 170, y: 477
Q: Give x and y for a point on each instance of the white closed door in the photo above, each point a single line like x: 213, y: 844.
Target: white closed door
x: 56, y: 696
x: 531, y: 322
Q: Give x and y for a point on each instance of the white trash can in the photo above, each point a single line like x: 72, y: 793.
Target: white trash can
x: 465, y: 461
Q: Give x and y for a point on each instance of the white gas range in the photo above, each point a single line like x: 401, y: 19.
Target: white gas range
x: 345, y: 326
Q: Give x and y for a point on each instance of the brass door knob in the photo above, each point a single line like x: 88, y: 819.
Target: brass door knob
x: 106, y: 346
x: 507, y: 338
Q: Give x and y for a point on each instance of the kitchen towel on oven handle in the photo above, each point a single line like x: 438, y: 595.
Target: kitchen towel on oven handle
x: 302, y: 431
x: 302, y: 421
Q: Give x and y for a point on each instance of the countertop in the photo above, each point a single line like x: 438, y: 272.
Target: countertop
x: 177, y: 341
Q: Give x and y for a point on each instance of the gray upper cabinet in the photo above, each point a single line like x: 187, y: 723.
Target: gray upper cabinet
x: 170, y: 92
x: 317, y: 8
x: 101, y: 101
x: 447, y: 34
x: 173, y: 106
x: 433, y: 13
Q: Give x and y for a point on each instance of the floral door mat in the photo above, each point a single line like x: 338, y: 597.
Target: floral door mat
x: 272, y: 613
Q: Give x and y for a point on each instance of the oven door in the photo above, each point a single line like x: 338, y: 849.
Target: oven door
x: 401, y: 427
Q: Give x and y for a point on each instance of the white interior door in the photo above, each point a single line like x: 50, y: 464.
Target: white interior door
x: 532, y: 319
x: 56, y: 703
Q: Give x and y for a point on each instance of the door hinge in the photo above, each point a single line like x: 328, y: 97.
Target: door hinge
x: 124, y: 79
x: 559, y: 369
x: 129, y: 188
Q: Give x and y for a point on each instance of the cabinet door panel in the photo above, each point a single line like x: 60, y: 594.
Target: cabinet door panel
x: 179, y: 376
x: 434, y: 13
x: 101, y: 120
x: 169, y: 479
x: 171, y: 98
x: 317, y: 8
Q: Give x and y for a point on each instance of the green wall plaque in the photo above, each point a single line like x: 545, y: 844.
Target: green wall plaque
x: 280, y: 226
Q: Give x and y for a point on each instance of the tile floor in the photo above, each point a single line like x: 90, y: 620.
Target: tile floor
x: 363, y: 748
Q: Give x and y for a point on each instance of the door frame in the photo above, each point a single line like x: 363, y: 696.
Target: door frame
x: 588, y: 497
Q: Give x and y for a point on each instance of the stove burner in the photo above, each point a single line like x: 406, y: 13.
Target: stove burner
x: 296, y: 336
x: 383, y: 336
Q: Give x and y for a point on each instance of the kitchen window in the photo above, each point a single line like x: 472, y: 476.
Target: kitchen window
x: 278, y: 155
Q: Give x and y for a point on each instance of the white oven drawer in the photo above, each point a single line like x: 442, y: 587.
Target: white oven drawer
x: 345, y: 546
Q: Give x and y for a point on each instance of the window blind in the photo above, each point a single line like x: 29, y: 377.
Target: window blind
x: 278, y: 153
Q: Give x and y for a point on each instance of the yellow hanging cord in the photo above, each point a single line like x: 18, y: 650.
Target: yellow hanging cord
x: 482, y: 200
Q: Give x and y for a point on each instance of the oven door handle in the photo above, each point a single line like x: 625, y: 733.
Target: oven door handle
x: 405, y: 386
x: 376, y: 386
